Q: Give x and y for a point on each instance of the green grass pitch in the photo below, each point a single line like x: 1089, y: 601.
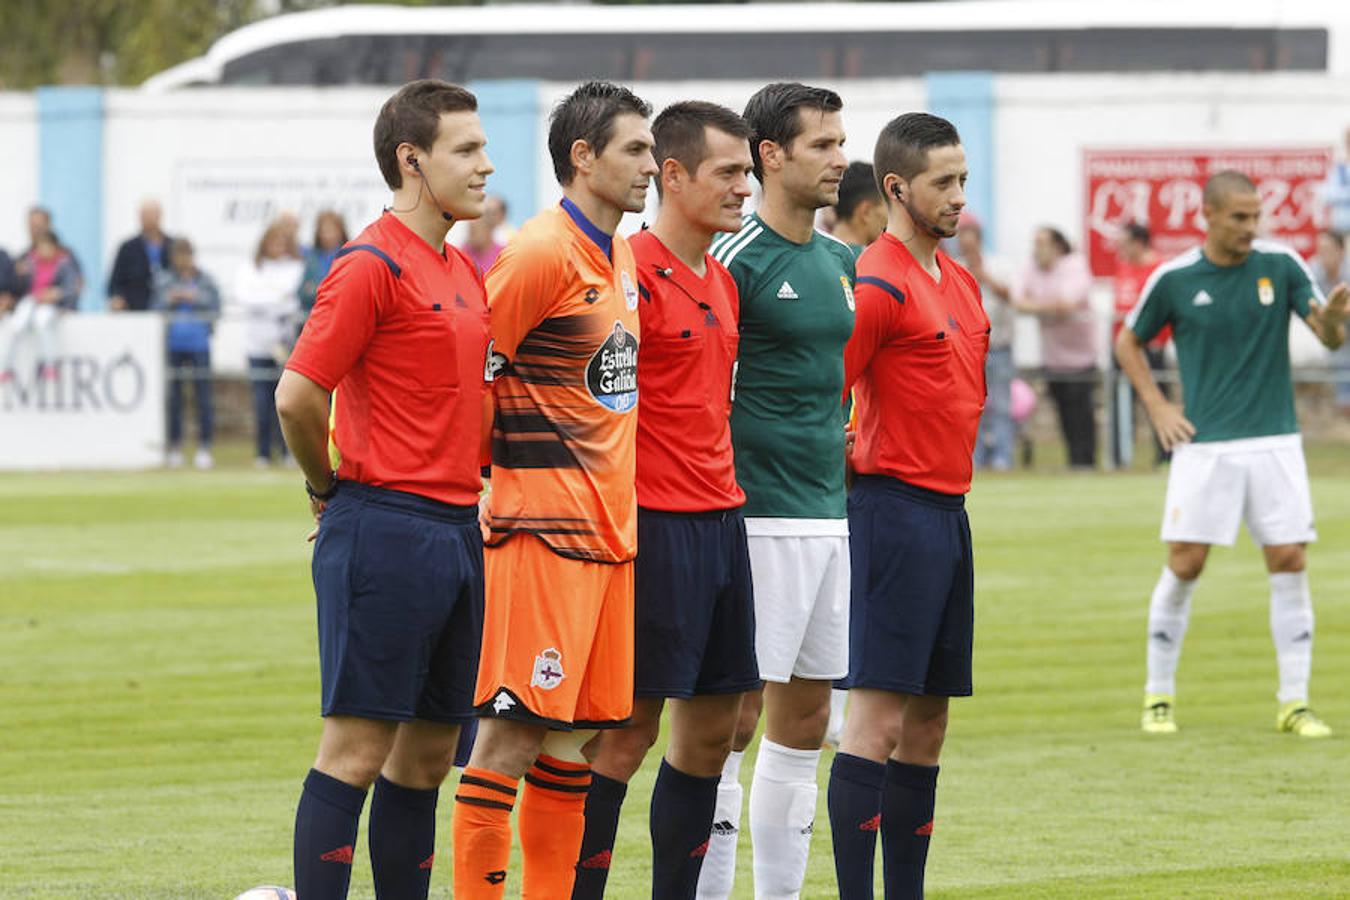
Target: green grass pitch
x: 159, y: 684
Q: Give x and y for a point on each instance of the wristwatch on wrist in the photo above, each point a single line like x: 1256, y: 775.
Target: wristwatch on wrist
x: 323, y: 496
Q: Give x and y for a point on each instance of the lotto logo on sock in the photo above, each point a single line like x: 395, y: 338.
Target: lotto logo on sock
x: 496, y: 877
x: 340, y: 855
x: 872, y: 824
x: 600, y: 860
x: 924, y: 830
x: 428, y: 862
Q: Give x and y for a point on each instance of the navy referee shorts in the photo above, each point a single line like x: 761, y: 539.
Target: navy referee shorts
x: 912, y: 609
x: 399, y: 582
x: 694, y: 605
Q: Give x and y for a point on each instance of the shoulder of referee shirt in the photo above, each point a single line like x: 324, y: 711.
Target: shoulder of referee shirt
x: 884, y: 288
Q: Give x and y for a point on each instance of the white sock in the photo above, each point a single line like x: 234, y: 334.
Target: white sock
x: 1168, y: 614
x: 718, y: 874
x: 782, y: 810
x: 838, y: 700
x: 1291, y: 627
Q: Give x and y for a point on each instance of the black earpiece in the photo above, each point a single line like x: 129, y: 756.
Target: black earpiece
x: 895, y: 189
x: 417, y: 167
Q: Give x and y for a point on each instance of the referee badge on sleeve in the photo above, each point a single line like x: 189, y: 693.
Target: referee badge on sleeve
x: 848, y: 291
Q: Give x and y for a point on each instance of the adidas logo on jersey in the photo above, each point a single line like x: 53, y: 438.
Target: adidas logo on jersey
x: 1202, y: 299
x: 787, y: 293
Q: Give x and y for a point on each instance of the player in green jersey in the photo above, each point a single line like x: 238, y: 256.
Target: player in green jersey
x: 860, y: 214
x: 787, y: 425
x: 1237, y: 453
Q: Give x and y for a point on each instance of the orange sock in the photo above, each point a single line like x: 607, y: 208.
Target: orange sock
x: 481, y: 832
x: 552, y: 820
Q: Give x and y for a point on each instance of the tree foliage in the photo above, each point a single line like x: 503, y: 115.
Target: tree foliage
x: 119, y: 41
x: 108, y: 41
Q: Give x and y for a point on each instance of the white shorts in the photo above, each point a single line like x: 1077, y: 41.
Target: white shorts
x: 1216, y: 485
x: 801, y: 605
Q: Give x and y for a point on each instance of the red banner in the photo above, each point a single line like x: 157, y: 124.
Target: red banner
x: 1162, y: 189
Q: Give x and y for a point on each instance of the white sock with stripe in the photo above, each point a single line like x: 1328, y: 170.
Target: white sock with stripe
x: 1291, y: 627
x: 718, y: 874
x: 1169, y: 612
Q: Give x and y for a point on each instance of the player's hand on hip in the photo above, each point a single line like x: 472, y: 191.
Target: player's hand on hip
x: 1171, y: 425
x: 484, y: 517
x: 316, y: 506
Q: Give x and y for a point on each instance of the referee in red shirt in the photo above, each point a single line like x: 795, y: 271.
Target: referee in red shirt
x: 400, y: 332
x: 694, y: 604
x: 916, y: 366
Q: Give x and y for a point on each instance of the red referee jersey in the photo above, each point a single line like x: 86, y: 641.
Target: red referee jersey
x: 402, y: 332
x: 689, y: 340
x: 916, y: 365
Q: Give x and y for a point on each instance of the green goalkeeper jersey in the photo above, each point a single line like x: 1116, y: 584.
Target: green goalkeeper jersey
x: 787, y: 422
x: 1231, y: 327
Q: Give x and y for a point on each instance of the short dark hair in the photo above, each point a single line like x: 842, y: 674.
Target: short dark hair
x: 1221, y: 184
x: 588, y: 114
x: 1137, y: 231
x: 1058, y: 239
x: 857, y: 185
x: 681, y: 132
x: 773, y: 114
x: 903, y: 145
x: 413, y: 115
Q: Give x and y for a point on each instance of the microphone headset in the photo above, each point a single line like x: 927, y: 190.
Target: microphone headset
x: 417, y: 167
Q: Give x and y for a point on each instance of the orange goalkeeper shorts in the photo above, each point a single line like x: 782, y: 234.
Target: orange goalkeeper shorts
x: 557, y: 638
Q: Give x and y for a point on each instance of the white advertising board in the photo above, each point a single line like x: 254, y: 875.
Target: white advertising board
x: 101, y: 408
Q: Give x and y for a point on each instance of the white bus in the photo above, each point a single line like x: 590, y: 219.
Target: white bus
x: 384, y: 45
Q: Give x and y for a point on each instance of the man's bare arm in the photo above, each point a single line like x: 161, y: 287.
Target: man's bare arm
x: 1168, y: 420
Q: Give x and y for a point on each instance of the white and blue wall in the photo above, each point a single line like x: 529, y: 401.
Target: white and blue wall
x: 223, y: 161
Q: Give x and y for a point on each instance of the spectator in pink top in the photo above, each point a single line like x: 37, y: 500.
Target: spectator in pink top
x: 482, y: 244
x: 1054, y: 288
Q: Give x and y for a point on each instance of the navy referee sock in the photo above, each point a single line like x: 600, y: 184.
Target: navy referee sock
x: 681, y: 823
x: 604, y: 799
x: 855, y: 818
x: 907, y: 801
x: 402, y: 840
x: 325, y: 836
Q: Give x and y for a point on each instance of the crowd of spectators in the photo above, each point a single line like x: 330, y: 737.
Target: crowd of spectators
x: 273, y: 292
x: 155, y: 271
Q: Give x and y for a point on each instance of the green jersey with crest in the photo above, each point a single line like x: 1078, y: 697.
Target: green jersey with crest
x: 787, y: 423
x: 1231, y: 327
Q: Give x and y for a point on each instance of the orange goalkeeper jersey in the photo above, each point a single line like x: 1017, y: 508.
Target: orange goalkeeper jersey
x: 564, y: 363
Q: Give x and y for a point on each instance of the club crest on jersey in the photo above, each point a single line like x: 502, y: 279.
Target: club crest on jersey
x: 611, y: 375
x: 548, y: 670
x: 1265, y: 291
x: 630, y: 292
x: 848, y: 292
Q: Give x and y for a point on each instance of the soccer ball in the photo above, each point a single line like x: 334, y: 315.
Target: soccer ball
x: 267, y: 892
